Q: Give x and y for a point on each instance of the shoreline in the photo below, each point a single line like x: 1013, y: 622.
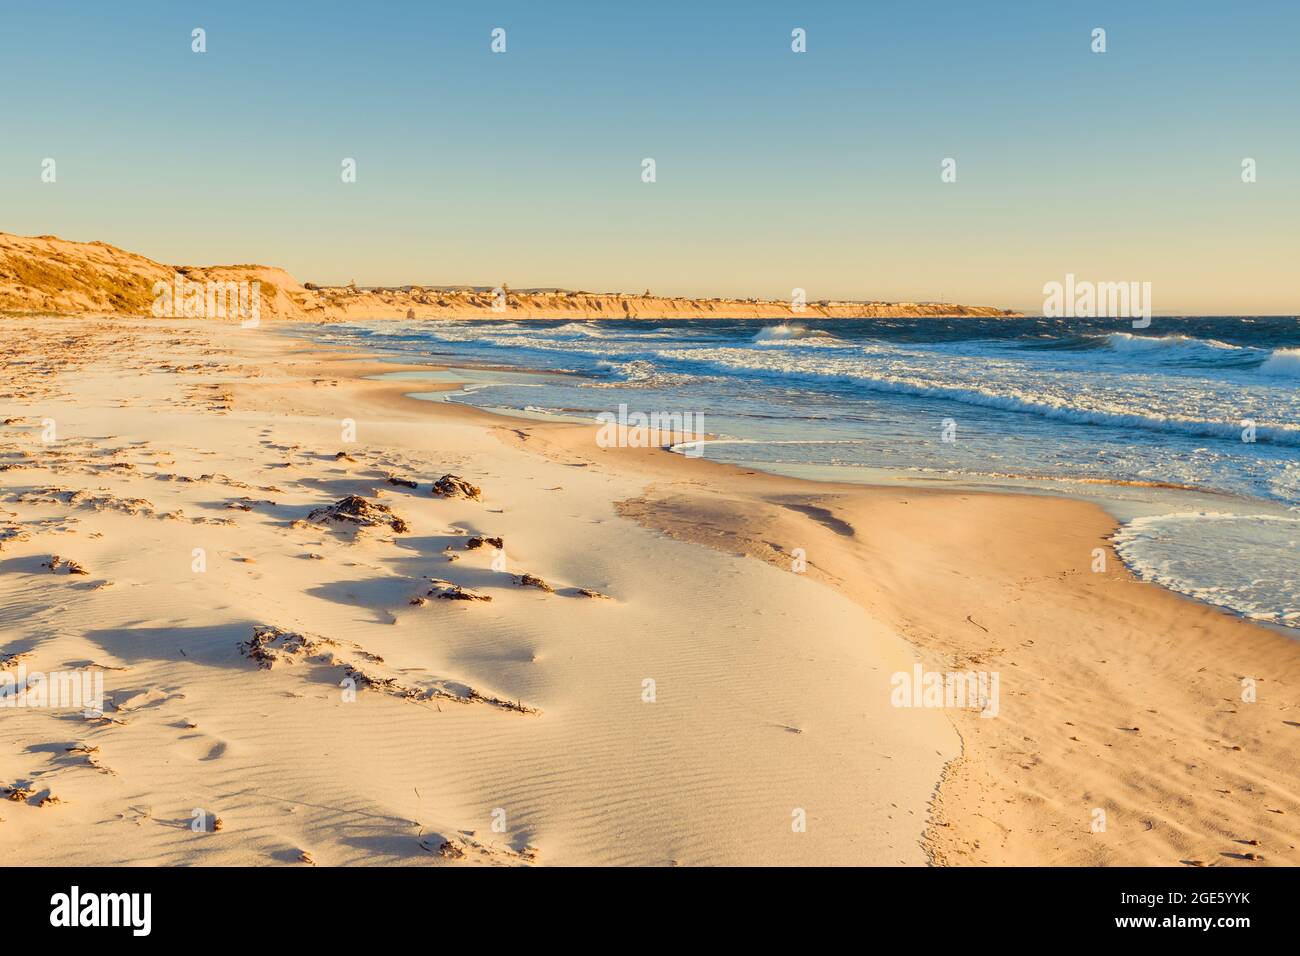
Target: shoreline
x: 1125, y: 500
x: 1114, y: 689
x: 965, y: 782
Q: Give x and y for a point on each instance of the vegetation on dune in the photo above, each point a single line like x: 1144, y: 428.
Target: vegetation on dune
x: 122, y: 291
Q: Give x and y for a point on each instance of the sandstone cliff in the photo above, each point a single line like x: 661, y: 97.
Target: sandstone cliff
x: 52, y: 275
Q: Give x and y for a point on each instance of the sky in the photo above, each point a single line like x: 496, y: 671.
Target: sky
x: 775, y: 170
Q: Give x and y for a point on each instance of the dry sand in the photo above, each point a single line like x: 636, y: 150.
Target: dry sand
x: 770, y: 694
x: 519, y: 730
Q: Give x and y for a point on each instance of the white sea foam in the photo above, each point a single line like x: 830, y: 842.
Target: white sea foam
x: 1283, y: 363
x: 1125, y: 401
x: 645, y: 373
x: 584, y: 329
x: 1244, y: 562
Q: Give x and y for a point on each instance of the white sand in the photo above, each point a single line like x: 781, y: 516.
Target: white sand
x: 772, y: 691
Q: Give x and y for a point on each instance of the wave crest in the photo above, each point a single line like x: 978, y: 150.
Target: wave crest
x: 1283, y: 363
x: 786, y: 332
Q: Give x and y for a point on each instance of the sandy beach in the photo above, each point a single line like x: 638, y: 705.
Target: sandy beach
x: 635, y: 673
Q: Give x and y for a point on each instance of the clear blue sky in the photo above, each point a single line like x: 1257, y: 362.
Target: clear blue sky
x: 775, y: 169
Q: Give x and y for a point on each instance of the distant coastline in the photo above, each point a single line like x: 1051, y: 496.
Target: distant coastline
x: 45, y: 274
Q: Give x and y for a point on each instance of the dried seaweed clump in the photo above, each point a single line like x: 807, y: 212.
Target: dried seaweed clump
x: 12, y: 533
x: 57, y: 564
x: 271, y: 645
x: 448, y: 591
x: 358, y: 511
x: 453, y: 486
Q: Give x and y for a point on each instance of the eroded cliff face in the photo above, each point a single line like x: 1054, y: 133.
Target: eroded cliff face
x: 52, y: 275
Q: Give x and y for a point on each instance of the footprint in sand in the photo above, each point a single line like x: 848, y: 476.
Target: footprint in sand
x: 203, y: 747
x: 217, y: 751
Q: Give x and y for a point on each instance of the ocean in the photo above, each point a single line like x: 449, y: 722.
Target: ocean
x: 1188, y: 431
